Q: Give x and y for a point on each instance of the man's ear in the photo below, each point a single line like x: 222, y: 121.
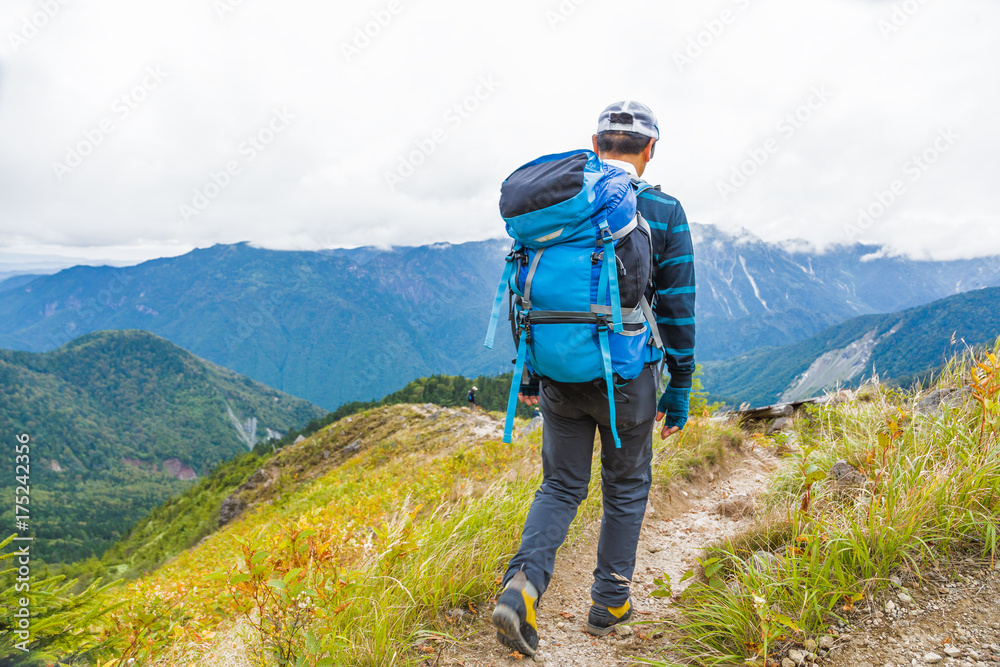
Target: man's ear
x: 593, y: 140
x: 650, y: 150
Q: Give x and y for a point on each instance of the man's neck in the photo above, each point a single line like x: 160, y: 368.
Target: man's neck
x: 637, y: 164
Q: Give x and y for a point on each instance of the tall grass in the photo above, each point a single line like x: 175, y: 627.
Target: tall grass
x: 701, y: 443
x: 457, y: 557
x: 929, y: 489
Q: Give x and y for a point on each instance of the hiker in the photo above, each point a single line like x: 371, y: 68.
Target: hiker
x: 472, y: 397
x: 626, y: 136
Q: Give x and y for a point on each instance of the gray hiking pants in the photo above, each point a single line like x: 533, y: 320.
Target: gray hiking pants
x: 572, y: 413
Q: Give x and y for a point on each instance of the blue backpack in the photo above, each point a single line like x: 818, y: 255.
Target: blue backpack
x: 577, y: 274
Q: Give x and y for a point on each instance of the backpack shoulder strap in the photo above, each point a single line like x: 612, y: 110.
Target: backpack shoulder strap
x: 641, y: 186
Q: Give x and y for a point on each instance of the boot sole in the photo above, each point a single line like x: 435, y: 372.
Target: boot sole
x: 605, y: 631
x: 508, y: 625
x: 600, y: 632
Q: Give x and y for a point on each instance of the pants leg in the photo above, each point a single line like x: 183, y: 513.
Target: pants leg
x: 626, y: 476
x: 567, y: 450
x: 571, y: 415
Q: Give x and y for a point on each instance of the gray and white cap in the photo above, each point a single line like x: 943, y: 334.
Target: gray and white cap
x: 629, y: 116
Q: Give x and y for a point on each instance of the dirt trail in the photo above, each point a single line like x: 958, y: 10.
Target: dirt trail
x: 675, y: 530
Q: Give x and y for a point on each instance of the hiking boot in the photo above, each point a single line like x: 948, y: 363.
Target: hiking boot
x: 514, y: 615
x: 601, y: 620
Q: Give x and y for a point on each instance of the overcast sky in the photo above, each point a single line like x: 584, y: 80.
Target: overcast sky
x: 130, y: 130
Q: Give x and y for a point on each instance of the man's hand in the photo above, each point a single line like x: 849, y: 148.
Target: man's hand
x: 528, y: 400
x: 673, y: 409
x: 528, y: 391
x: 667, y: 430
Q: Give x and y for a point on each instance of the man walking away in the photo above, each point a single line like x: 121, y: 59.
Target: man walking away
x: 472, y: 398
x: 626, y: 136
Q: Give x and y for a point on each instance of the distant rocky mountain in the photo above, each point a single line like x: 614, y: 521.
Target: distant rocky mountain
x: 119, y: 421
x: 897, y: 347
x: 754, y: 294
x: 356, y: 324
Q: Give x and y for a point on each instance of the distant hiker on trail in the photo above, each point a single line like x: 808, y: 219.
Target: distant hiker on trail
x: 578, y: 209
x: 472, y: 397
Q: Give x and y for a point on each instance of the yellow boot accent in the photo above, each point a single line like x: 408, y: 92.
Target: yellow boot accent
x: 618, y: 612
x: 529, y: 605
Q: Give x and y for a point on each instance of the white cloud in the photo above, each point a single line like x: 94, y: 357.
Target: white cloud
x: 322, y: 181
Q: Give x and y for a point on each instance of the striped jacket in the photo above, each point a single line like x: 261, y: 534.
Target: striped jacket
x: 673, y: 290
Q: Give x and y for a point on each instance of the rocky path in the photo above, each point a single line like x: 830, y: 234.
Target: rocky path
x: 949, y: 617
x: 677, y: 527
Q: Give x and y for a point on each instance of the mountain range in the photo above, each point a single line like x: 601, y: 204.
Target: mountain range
x: 753, y: 294
x: 356, y: 324
x: 119, y: 421
x: 896, y: 346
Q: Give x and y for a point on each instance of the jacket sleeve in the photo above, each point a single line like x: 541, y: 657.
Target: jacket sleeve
x: 674, y: 285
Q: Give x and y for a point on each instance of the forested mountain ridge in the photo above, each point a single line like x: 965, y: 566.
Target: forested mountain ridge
x: 895, y: 346
x: 119, y: 421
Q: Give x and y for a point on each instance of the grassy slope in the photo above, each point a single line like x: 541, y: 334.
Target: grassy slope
x: 411, y: 469
x: 418, y: 516
x: 193, y: 514
x: 444, y: 390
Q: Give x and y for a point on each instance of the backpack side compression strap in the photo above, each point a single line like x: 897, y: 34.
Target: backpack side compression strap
x: 602, y: 332
x: 609, y: 277
x: 522, y: 348
x: 502, y: 289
